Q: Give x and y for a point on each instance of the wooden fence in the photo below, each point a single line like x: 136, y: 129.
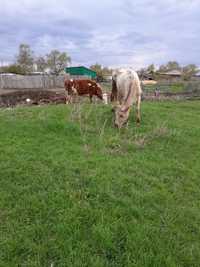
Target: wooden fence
x: 34, y: 81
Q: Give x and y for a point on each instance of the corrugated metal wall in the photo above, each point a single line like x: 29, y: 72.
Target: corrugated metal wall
x: 31, y: 82
x: 35, y: 81
x: 81, y: 71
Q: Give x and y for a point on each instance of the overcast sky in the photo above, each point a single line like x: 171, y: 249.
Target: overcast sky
x: 111, y: 32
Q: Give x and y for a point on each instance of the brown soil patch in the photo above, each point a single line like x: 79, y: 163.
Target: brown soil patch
x: 37, y: 97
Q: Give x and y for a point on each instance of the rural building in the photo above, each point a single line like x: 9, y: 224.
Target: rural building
x: 196, y: 77
x: 172, y: 75
x: 79, y: 72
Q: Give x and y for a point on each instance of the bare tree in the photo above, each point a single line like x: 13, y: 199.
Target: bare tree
x: 41, y: 64
x: 189, y: 71
x: 25, y: 58
x: 151, y: 68
x: 57, y: 61
x: 100, y: 71
x: 171, y: 65
x: 13, y: 68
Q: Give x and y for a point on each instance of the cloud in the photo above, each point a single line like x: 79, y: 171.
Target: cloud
x: 113, y: 33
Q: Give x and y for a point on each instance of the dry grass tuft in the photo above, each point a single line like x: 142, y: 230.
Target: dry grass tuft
x: 159, y: 132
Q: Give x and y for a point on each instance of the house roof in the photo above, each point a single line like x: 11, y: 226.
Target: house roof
x: 80, y: 67
x: 81, y: 70
x: 172, y: 72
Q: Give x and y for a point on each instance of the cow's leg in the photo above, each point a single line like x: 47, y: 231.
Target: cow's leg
x: 90, y: 98
x: 138, y: 116
x: 71, y: 98
x: 67, y: 99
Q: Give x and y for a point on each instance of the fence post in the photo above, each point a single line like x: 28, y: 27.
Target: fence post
x: 1, y: 82
x: 43, y: 81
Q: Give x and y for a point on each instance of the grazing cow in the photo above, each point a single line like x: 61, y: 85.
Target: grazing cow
x: 82, y: 87
x: 126, y: 90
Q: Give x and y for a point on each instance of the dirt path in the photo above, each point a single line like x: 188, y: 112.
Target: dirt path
x: 12, y: 98
x: 7, y: 91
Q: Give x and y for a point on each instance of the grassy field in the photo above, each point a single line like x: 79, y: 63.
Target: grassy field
x: 74, y: 191
x: 173, y: 88
x: 150, y: 88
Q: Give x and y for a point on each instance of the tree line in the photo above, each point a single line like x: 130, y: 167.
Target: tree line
x: 26, y: 62
x: 186, y: 71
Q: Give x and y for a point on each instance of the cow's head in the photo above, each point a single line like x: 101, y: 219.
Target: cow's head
x: 68, y: 84
x: 121, y: 115
x: 99, y: 91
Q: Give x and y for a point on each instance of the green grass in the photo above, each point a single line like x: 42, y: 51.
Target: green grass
x: 74, y: 191
x: 177, y: 88
x: 173, y: 88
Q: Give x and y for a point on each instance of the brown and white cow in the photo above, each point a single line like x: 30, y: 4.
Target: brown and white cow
x: 126, y: 90
x: 82, y: 87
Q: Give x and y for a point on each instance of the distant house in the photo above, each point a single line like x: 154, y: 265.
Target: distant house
x: 196, y: 77
x: 172, y: 75
x: 81, y: 71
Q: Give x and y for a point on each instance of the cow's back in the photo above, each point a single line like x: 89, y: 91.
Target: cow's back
x: 84, y: 86
x: 128, y: 86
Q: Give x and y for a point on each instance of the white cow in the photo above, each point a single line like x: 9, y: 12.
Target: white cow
x: 127, y: 91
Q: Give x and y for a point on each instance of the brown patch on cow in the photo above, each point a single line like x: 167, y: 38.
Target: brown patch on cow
x: 83, y: 87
